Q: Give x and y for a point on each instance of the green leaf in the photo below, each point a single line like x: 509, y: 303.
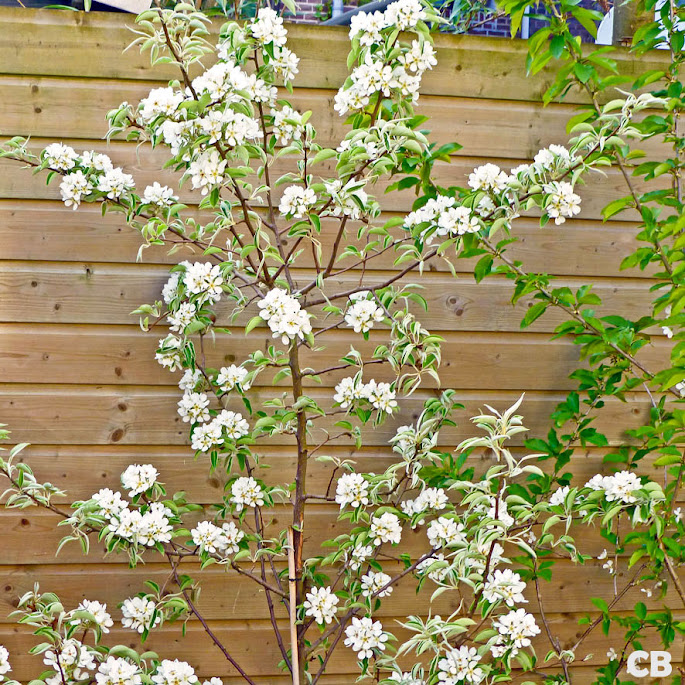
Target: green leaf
x: 253, y: 323
x: 583, y: 71
x: 534, y: 313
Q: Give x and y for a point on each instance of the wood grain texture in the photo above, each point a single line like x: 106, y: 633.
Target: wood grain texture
x: 71, y: 293
x: 40, y: 44
x: 101, y: 415
x: 144, y: 164
x: 46, y: 231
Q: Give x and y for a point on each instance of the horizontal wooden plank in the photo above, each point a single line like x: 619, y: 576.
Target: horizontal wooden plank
x: 81, y: 470
x: 52, y: 292
x: 470, y: 66
x: 99, y: 415
x: 47, y: 231
x: 45, y: 353
x: 75, y: 108
x: 40, y: 527
x: 255, y: 643
x: 225, y: 595
x: 146, y: 167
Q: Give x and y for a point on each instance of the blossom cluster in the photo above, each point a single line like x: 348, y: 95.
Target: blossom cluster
x: 351, y: 390
x: 365, y: 635
x: 286, y: 318
x: 226, y: 425
x: 363, y: 312
x: 459, y: 666
x: 140, y: 614
x: 619, y: 487
x: 383, y: 71
x: 213, y: 539
x: 148, y: 525
x: 91, y: 173
x: 321, y: 604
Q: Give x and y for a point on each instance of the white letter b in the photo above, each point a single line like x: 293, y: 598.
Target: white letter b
x: 661, y: 665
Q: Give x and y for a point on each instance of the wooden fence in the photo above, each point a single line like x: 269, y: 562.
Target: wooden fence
x: 77, y: 376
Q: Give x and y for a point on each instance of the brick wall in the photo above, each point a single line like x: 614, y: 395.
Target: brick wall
x: 501, y: 26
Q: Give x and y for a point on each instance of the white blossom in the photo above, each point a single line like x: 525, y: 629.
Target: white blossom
x: 445, y: 532
x: 221, y: 81
x: 73, y: 659
x: 460, y: 665
x: 137, y: 614
x: 115, y: 183
x: 235, y: 128
x: 182, y: 317
x: 170, y: 289
x: 288, y: 125
x: 437, y: 575
x: 517, y: 627
x: 139, y: 478
x: 231, y: 376
x: 405, y: 14
x: 559, y: 496
x: 99, y: 611
x: 419, y: 58
x: 362, y: 314
x: 386, y: 528
x: 488, y: 177
x: 620, y: 486
x: 286, y: 319
x: 206, y: 436
x: 561, y: 202
x: 193, y: 407
x: 204, y: 279
x: 232, y: 424
x: 60, y: 156
x: 349, y: 199
x: 190, y: 379
x: 207, y: 170
x: 457, y: 221
x: 5, y: 666
x: 157, y: 194
x: 554, y: 156
x: 504, y: 585
x: 111, y: 503
x: 296, y: 201
x: 433, y: 499
x: 321, y: 604
x: 268, y: 28
x: 373, y: 581
x: 217, y: 540
x: 73, y: 187
x: 97, y: 161
x: 406, y: 679
x: 347, y: 391
x: 358, y: 555
x: 352, y: 489
x: 381, y: 396
x: 246, y: 492
x: 285, y: 64
x: 117, y: 671
x: 174, y: 673
x: 367, y: 26
x: 169, y: 355
x: 148, y: 528
x: 160, y: 101
x: 364, y: 635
